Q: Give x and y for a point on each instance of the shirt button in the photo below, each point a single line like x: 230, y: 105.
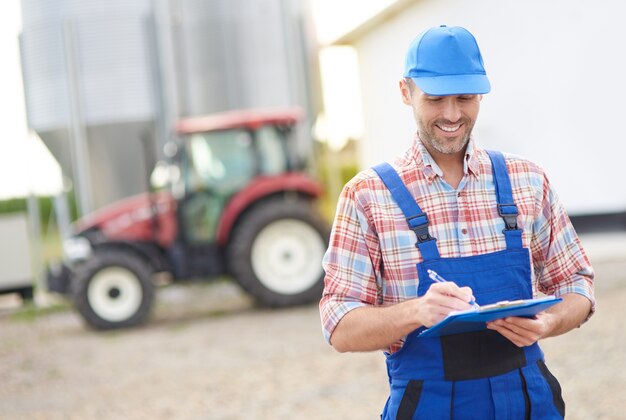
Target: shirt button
x: 464, y: 231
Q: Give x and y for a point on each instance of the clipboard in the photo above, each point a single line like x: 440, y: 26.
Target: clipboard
x: 476, y: 319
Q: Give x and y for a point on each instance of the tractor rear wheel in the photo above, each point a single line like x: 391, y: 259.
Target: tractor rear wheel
x: 114, y: 289
x: 276, y: 252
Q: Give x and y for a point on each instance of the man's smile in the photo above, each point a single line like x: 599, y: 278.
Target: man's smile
x: 449, y: 128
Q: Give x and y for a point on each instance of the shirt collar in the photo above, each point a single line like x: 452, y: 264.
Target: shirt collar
x: 427, y: 164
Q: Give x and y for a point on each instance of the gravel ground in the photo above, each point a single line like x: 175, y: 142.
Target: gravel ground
x: 208, y: 353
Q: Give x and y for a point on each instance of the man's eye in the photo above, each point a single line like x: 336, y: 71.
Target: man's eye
x: 434, y: 98
x: 467, y: 97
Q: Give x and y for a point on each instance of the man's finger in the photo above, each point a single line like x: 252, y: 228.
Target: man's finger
x: 444, y: 302
x: 516, y: 333
x: 451, y: 289
x: 506, y: 333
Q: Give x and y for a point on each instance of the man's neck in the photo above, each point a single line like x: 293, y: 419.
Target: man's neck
x: 452, y: 165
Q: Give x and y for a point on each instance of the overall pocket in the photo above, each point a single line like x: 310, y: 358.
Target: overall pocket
x: 420, y: 399
x: 555, y: 387
x: 479, y: 355
x: 410, y: 400
x: 544, y: 392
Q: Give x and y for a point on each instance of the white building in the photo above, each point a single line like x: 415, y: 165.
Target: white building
x: 558, y: 76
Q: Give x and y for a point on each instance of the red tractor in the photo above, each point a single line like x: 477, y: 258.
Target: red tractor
x: 238, y: 202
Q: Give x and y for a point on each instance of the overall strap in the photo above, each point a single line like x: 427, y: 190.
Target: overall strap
x: 416, y: 219
x: 504, y: 195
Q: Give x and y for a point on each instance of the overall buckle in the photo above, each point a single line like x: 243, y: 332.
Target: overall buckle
x: 419, y: 224
x: 509, y: 213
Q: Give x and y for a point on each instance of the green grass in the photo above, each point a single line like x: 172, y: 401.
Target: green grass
x: 51, y: 247
x: 30, y: 312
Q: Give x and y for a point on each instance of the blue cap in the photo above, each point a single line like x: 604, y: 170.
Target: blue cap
x: 446, y: 61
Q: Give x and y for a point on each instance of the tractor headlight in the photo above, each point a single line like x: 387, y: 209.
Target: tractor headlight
x: 76, y: 248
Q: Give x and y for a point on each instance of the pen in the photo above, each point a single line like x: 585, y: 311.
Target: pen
x: 436, y: 277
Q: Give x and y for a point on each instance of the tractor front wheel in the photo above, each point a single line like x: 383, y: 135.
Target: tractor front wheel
x: 113, y: 289
x: 276, y: 252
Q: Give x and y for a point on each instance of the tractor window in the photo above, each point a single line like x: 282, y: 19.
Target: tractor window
x: 272, y: 152
x: 220, y: 161
x: 218, y: 165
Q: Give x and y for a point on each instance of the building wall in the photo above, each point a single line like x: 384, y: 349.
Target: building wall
x: 557, y: 83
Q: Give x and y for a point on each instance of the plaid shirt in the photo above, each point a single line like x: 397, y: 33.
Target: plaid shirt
x: 372, y: 254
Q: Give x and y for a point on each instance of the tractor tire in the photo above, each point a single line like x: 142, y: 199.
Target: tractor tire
x: 113, y: 289
x: 276, y: 252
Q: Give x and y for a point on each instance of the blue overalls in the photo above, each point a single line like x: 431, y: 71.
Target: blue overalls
x: 479, y: 375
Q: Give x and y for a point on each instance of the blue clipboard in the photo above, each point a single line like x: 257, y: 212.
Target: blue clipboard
x: 476, y: 319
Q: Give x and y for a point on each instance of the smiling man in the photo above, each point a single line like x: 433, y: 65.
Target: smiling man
x: 489, y: 223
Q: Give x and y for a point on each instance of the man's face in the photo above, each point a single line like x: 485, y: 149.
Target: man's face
x: 444, y: 123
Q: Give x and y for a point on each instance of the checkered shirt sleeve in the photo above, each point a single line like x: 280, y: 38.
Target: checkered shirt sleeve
x: 352, y: 279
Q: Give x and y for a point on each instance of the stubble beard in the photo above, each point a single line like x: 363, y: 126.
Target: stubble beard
x: 443, y: 145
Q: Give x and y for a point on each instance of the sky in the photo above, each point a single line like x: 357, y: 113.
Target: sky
x: 25, y: 164
x: 27, y: 167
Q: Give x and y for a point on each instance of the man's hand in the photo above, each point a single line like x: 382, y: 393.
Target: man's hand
x: 372, y: 328
x: 440, y: 300
x: 557, y: 320
x: 523, y: 331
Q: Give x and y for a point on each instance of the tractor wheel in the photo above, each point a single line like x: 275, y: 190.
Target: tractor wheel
x: 113, y: 289
x: 276, y: 252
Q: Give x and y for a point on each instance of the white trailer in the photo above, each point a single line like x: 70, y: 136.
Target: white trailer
x: 16, y: 265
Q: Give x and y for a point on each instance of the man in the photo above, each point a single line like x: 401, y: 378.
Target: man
x: 492, y: 225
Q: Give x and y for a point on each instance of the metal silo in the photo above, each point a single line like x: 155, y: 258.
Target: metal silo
x: 100, y: 77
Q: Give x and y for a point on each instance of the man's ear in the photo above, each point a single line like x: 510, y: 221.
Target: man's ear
x: 405, y: 91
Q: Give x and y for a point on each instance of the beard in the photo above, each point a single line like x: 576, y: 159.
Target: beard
x: 445, y: 145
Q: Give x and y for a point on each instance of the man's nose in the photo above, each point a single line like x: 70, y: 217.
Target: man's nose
x: 451, y: 110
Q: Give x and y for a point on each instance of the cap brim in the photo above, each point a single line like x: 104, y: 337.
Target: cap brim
x: 466, y: 84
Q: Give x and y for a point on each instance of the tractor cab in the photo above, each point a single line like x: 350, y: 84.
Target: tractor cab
x: 222, y: 155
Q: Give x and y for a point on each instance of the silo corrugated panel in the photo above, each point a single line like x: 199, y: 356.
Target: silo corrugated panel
x: 45, y: 78
x: 235, y: 54
x: 37, y: 11
x: 110, y: 50
x: 115, y: 76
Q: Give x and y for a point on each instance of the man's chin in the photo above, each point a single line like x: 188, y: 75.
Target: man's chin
x: 448, y: 147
